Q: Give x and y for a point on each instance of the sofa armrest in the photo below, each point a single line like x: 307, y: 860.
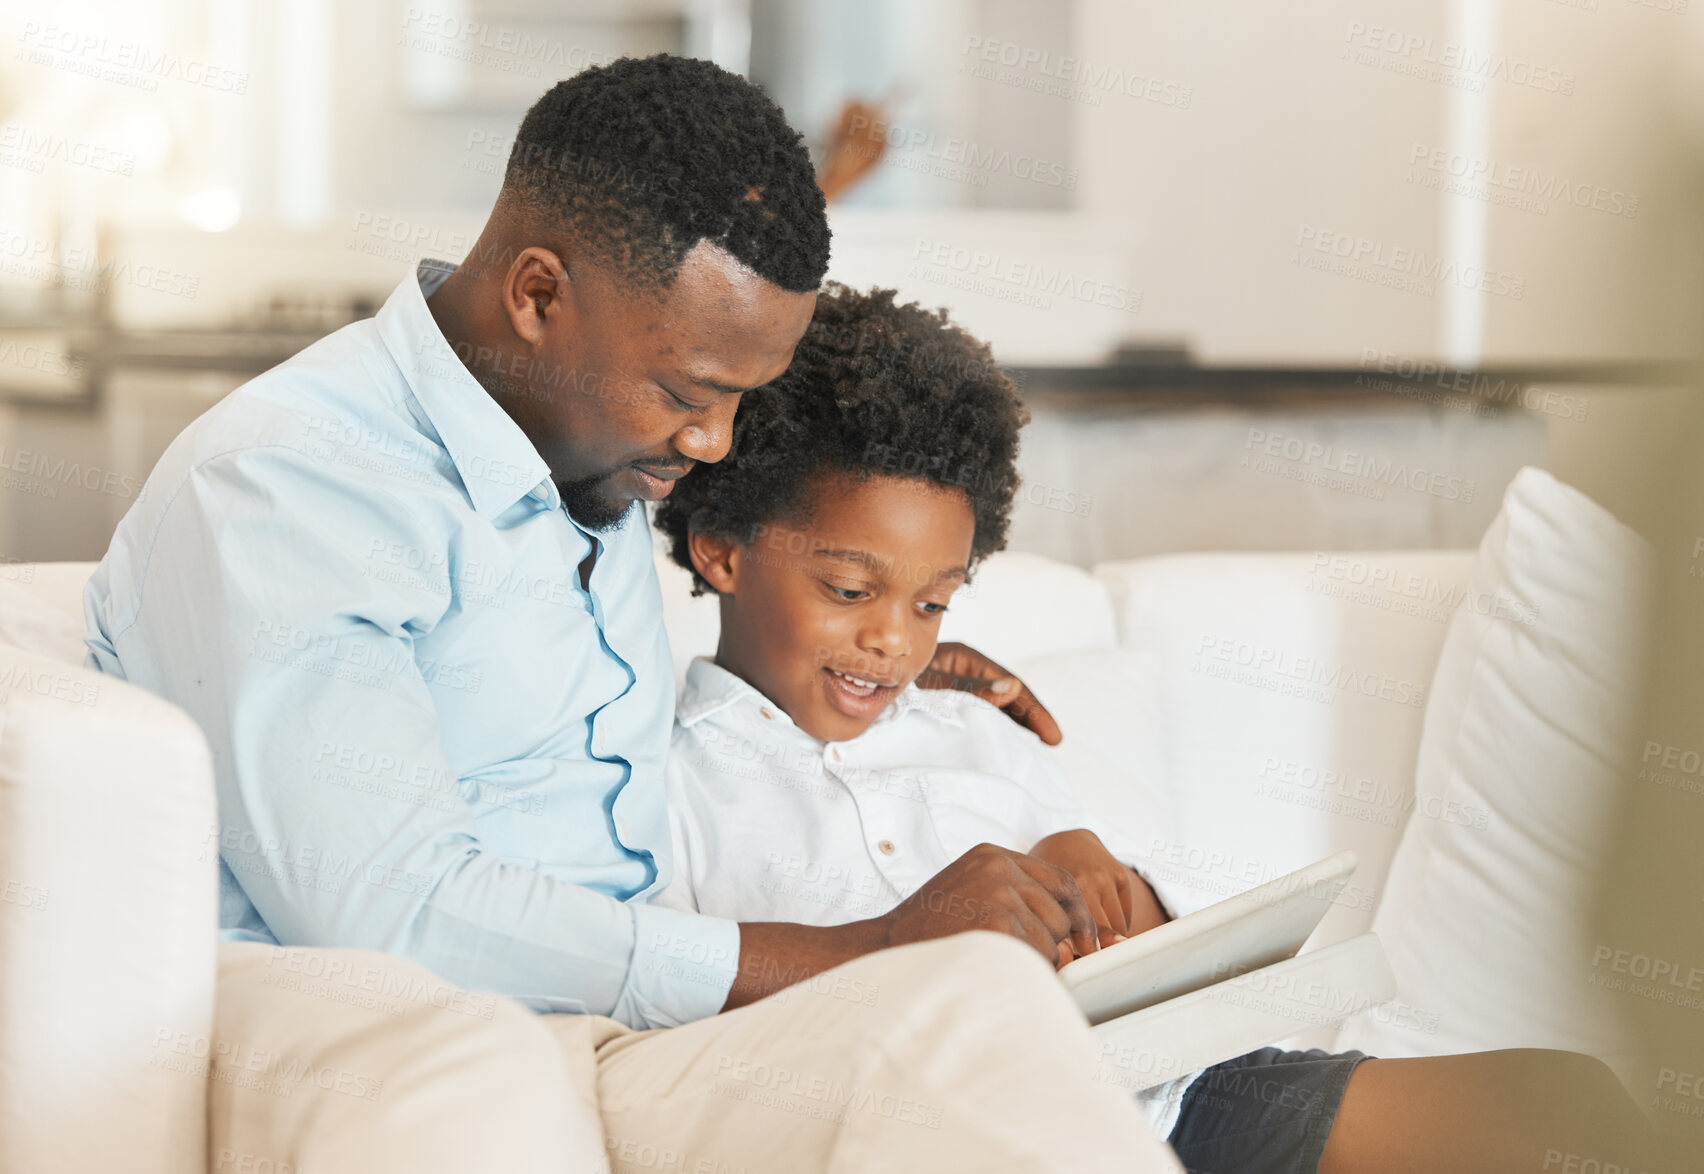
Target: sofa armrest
x: 108, y: 903
x: 357, y: 1062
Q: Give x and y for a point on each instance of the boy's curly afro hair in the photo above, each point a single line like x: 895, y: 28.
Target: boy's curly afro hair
x: 644, y: 157
x: 875, y: 389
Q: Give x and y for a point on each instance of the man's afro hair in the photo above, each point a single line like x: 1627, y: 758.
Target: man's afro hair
x: 875, y: 389
x: 645, y: 157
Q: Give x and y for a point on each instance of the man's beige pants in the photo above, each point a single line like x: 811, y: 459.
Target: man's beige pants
x: 959, y: 1054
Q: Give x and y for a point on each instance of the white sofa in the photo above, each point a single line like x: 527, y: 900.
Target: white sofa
x: 1241, y: 714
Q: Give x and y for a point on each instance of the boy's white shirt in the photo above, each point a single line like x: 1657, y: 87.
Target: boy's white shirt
x: 769, y: 824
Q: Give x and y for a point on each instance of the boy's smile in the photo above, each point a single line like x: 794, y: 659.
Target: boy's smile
x: 830, y: 618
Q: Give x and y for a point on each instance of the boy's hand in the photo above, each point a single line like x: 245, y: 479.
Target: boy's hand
x: 1107, y: 885
x: 959, y: 666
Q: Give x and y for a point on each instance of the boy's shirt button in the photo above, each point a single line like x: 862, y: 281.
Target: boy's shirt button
x: 834, y: 753
x: 887, y: 847
x: 767, y: 716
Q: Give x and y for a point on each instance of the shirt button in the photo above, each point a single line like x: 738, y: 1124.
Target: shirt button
x: 887, y: 847
x: 764, y: 710
x: 835, y: 753
x: 541, y: 492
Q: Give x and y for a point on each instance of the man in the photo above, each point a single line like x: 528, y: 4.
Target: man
x: 402, y: 584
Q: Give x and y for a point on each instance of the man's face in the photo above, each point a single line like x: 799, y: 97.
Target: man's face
x: 831, y: 619
x: 628, y: 388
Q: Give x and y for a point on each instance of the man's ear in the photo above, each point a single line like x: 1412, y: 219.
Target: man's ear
x: 717, y: 560
x: 536, y: 287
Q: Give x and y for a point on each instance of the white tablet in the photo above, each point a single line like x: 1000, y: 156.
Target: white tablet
x: 1264, y: 925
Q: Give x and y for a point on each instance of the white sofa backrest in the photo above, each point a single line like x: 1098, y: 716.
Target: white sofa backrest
x: 41, y: 608
x: 1261, y: 711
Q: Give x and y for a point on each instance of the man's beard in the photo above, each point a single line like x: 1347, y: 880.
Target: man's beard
x: 587, y: 503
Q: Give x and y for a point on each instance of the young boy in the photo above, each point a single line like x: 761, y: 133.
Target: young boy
x: 811, y: 781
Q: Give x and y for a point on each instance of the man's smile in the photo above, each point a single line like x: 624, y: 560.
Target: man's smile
x: 656, y: 483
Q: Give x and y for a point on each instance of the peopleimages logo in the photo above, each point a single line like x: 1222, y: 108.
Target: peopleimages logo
x: 1406, y: 268
x: 50, y: 471
x: 1329, y: 458
x: 1670, y: 766
x: 1087, y: 79
x: 81, y: 268
x: 101, y: 57
x: 21, y: 146
x: 870, y: 135
x: 1377, y: 578
x: 1476, y: 173
x: 1031, y: 283
x: 1281, y: 666
x: 1675, y: 975
x: 510, y: 50
x: 1450, y: 62
x: 1492, y: 389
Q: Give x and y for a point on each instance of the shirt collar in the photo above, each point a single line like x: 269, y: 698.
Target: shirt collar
x: 711, y: 690
x: 497, y: 463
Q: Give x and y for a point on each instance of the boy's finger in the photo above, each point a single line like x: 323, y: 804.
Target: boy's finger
x: 1126, y: 883
x: 1105, y: 915
x: 1101, y: 912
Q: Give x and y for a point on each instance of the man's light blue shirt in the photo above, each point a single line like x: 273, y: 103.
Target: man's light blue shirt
x: 356, y: 574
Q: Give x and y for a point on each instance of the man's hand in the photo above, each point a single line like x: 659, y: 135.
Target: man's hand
x: 958, y: 666
x: 1122, y: 903
x: 986, y: 888
x: 1008, y: 892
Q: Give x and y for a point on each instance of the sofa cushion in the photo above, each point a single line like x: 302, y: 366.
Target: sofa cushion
x: 1486, y: 908
x: 108, y: 895
x: 1274, y: 713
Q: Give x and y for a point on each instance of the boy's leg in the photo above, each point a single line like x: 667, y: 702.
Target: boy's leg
x: 959, y: 1054
x: 1267, y: 1112
x: 1519, y: 1110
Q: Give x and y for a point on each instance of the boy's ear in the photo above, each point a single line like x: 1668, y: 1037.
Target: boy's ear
x: 717, y: 560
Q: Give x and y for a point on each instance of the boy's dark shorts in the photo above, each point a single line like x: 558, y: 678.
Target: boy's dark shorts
x: 1268, y: 1112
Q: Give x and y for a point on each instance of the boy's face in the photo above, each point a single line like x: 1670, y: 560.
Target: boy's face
x: 831, y: 619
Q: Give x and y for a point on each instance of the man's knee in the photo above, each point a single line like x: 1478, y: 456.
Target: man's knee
x: 987, y: 972
x: 1004, y: 955
x: 973, y: 958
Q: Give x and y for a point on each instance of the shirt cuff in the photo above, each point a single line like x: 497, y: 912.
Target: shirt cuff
x: 683, y: 966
